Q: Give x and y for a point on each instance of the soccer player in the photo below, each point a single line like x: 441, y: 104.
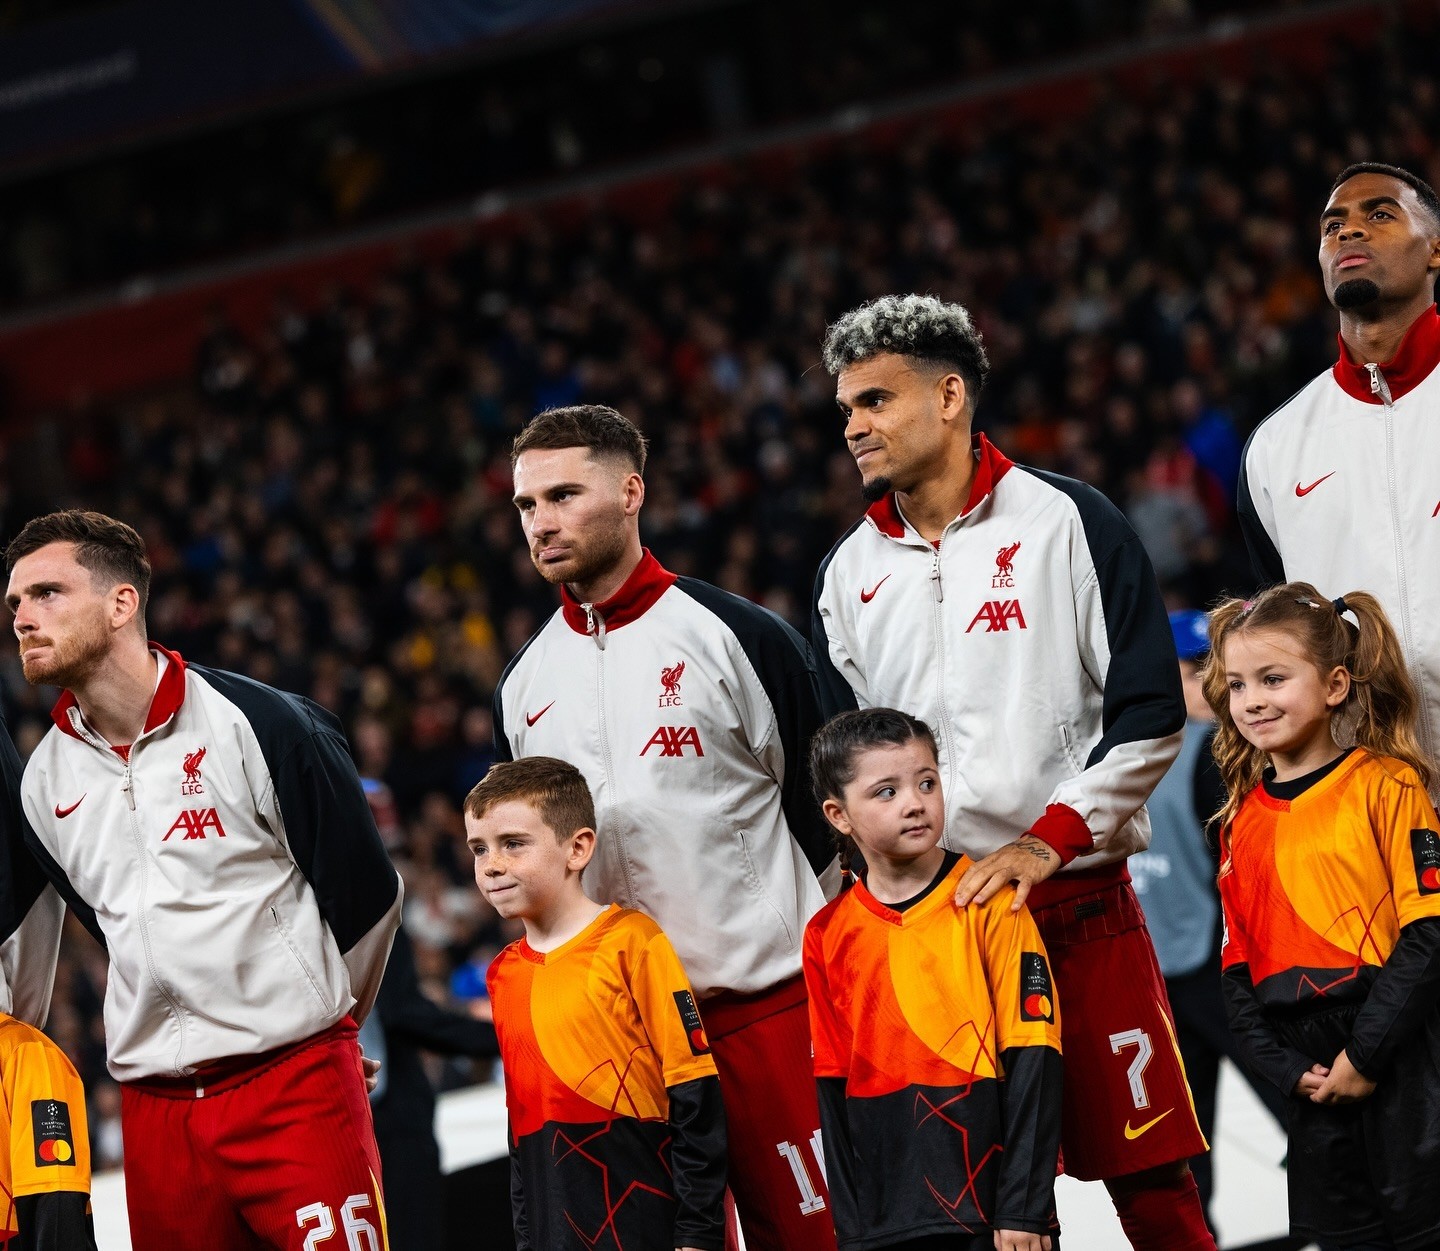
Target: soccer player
x: 690, y: 711
x: 212, y: 832
x: 1330, y: 878
x: 617, y: 1129
x: 45, y: 1167
x: 937, y: 1034
x: 1016, y: 612
x: 1338, y: 485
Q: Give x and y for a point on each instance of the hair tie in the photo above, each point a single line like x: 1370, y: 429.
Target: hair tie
x: 1341, y: 607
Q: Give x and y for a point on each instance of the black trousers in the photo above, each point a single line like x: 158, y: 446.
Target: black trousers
x: 414, y: 1190
x: 1203, y: 1032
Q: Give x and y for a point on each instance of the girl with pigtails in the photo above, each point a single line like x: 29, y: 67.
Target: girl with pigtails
x: 1330, y: 885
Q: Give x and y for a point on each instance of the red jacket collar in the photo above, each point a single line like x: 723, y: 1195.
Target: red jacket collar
x: 1418, y: 354
x: 992, y: 465
x: 164, y: 704
x: 642, y: 588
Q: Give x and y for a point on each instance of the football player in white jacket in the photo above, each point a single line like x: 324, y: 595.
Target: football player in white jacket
x: 689, y: 711
x: 1016, y: 612
x: 213, y: 834
x: 1338, y: 486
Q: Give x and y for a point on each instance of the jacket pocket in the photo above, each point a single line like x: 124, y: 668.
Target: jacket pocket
x: 1067, y: 750
x: 283, y: 931
x: 757, y: 886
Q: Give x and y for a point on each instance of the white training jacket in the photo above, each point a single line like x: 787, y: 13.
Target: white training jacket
x: 229, y: 864
x: 689, y: 711
x: 1033, y: 640
x: 1340, y: 487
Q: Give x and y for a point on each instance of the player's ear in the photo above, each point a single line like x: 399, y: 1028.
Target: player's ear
x: 835, y: 813
x: 582, y: 849
x: 954, y: 397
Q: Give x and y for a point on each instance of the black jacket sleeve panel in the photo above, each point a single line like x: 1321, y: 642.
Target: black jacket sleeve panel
x: 1143, y: 699
x: 31, y: 915
x: 54, y: 1221
x: 1030, y: 1105
x: 697, y: 1163
x: 1259, y: 1046
x: 836, y: 694
x: 1264, y: 555
x: 328, y: 826
x: 406, y: 1012
x: 503, y: 750
x: 328, y: 823
x: 783, y: 661
x: 839, y: 1152
x: 517, y: 1203
x: 1403, y: 997
x: 22, y: 880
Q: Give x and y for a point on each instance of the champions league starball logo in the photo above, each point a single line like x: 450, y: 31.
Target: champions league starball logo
x: 1425, y: 850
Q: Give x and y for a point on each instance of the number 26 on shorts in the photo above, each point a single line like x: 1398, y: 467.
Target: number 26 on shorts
x: 360, y: 1234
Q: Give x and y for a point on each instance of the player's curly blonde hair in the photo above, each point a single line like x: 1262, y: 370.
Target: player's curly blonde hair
x: 918, y: 326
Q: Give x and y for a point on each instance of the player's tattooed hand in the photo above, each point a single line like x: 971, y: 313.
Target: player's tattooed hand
x: 1024, y: 862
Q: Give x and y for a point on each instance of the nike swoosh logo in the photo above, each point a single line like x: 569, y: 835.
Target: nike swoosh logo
x: 867, y: 596
x: 529, y: 720
x: 1135, y: 1133
x: 62, y: 813
x: 1304, y: 491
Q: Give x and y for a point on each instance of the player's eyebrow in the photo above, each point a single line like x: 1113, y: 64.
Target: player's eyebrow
x: 1374, y: 202
x: 12, y: 600
x: 864, y: 398
x: 554, y: 489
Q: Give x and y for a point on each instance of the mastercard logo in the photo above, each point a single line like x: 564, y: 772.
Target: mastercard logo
x: 1430, y: 879
x: 698, y: 1042
x: 1037, y: 1005
x: 56, y: 1151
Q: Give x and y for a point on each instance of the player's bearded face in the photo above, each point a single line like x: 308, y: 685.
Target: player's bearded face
x: 1377, y: 245
x: 66, y: 657
x: 574, y: 513
x: 893, y: 428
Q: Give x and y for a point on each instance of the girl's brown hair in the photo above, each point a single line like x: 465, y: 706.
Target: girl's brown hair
x: 1379, y: 712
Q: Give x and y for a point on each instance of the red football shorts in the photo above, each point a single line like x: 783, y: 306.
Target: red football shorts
x: 761, y: 1045
x: 1127, y: 1106
x: 277, y: 1154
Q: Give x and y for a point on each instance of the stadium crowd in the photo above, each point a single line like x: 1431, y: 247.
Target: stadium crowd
x: 327, y: 507
x: 573, y: 106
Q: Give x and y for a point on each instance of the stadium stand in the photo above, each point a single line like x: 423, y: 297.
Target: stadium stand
x: 326, y: 502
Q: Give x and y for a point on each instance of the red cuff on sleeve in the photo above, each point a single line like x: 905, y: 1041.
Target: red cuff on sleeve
x: 1064, y: 831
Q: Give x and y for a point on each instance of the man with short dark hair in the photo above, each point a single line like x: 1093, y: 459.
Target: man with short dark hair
x: 213, y: 834
x: 1338, y: 485
x: 689, y: 711
x: 1016, y: 613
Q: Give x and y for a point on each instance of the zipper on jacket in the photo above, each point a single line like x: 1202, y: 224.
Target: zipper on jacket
x: 142, y: 859
x: 935, y: 586
x: 594, y: 625
x: 1378, y: 386
x: 937, y: 616
x: 602, y: 720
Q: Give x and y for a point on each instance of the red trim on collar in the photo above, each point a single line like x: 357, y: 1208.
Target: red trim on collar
x: 1413, y: 362
x: 164, y: 704
x: 992, y: 465
x: 642, y: 588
